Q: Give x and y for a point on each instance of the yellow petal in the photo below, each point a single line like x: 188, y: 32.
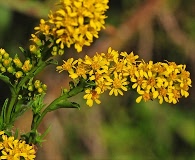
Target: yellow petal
x: 89, y: 102
x: 155, y: 94
x: 138, y: 100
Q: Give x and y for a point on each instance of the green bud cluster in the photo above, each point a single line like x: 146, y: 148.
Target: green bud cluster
x: 14, y: 65
x: 5, y: 62
x: 38, y: 41
x: 57, y: 51
x: 37, y: 87
x: 31, y: 89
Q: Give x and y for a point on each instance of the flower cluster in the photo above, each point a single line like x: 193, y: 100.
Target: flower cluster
x: 14, y: 65
x: 118, y: 72
x: 74, y: 22
x: 33, y: 88
x: 16, y: 69
x: 165, y: 81
x: 14, y: 149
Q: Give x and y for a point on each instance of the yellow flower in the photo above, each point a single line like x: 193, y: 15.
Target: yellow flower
x: 139, y: 79
x: 2, y: 51
x: 27, y: 66
x: 91, y: 96
x: 1, y: 132
x: 14, y: 149
x: 131, y: 58
x: 119, y: 66
x: 161, y: 94
x: 97, y: 64
x: 102, y: 85
x: 184, y: 89
x: 166, y: 81
x: 7, y: 141
x: 74, y: 22
x: 33, y: 48
x: 80, y: 71
x: 43, y: 27
x: 150, y: 82
x: 67, y: 66
x: 27, y: 151
x: 173, y: 95
x: 157, y: 68
x: 36, y: 40
x: 117, y: 71
x: 111, y: 55
x: 17, y: 62
x: 145, y: 95
x: 9, y: 156
x: 118, y: 83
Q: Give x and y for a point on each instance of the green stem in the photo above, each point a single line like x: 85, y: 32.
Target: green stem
x: 37, y: 120
x: 13, y: 97
x: 15, y: 91
x: 11, y: 104
x: 31, y: 74
x: 78, y: 89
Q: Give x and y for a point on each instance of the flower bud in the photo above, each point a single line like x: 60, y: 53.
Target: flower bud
x: 37, y: 84
x: 40, y: 90
x: 10, y: 69
x: 17, y: 62
x: 30, y: 88
x: 6, y: 56
x: 3, y: 69
x: 19, y: 74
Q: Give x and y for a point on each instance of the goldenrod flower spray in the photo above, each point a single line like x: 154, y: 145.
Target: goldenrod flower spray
x: 76, y: 23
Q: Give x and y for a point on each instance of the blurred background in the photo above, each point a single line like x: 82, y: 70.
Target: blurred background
x: 118, y: 128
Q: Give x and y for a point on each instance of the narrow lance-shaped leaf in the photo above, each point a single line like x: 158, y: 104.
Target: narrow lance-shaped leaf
x: 63, y: 103
x: 4, y: 78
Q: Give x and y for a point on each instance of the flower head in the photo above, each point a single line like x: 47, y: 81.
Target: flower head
x: 117, y: 72
x: 15, y: 149
x: 118, y: 83
x: 165, y: 81
x: 91, y: 96
x: 74, y: 22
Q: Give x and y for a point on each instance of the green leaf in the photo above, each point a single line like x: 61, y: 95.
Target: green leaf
x: 4, y: 78
x: 90, y: 84
x: 37, y: 103
x: 77, y: 88
x: 63, y: 103
x: 3, y: 112
x: 26, y: 53
x: 22, y: 49
x: 40, y: 138
x: 19, y: 111
x: 52, y: 61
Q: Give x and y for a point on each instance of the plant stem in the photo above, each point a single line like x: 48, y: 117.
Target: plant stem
x: 11, y: 104
x: 37, y: 121
x: 15, y: 91
x: 78, y: 89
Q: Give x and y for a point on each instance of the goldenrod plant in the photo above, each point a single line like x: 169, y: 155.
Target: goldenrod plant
x: 76, y: 23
